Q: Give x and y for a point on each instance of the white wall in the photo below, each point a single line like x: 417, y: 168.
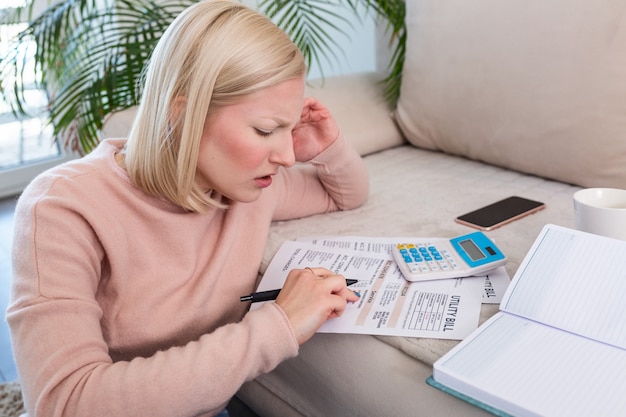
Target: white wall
x: 357, y: 51
x: 357, y: 48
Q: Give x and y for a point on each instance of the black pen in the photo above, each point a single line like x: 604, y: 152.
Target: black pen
x: 272, y: 294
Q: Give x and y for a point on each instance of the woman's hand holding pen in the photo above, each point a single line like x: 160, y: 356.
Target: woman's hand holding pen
x: 311, y: 296
x: 316, y: 131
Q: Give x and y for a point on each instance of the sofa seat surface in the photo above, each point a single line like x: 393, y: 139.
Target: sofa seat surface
x: 418, y: 193
x: 413, y: 193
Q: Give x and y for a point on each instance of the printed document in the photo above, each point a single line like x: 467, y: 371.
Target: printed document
x: 389, y: 305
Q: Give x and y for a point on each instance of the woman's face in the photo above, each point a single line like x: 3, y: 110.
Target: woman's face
x: 243, y: 144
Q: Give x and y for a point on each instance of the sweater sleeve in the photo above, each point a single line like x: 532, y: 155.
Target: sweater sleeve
x: 63, y: 360
x: 336, y: 179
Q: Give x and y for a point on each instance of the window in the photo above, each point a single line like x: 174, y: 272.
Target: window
x: 26, y: 142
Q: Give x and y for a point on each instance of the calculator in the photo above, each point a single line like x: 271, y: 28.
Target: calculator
x: 442, y: 258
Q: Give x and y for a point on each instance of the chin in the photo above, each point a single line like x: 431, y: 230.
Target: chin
x: 247, y: 198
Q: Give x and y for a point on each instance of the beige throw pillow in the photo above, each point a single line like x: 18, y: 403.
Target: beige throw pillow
x: 536, y: 86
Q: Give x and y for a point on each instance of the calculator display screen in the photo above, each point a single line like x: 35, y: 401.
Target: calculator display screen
x: 472, y: 250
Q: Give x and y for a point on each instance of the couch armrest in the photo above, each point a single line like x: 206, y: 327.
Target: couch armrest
x: 118, y: 124
x: 357, y: 103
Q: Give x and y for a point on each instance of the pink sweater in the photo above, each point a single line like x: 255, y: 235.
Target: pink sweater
x: 125, y: 305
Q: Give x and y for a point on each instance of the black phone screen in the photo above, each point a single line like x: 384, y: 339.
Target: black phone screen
x: 500, y: 213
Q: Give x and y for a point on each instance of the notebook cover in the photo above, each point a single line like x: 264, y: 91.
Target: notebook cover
x: 431, y: 381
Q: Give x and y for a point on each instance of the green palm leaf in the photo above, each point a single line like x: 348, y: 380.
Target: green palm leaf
x: 89, y: 59
x: 314, y: 24
x: 90, y: 54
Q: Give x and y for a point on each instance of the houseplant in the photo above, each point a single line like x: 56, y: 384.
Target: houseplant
x: 90, y: 54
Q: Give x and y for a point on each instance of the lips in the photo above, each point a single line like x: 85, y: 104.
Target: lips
x: 263, y: 182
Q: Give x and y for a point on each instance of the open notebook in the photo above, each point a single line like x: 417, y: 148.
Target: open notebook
x: 558, y: 345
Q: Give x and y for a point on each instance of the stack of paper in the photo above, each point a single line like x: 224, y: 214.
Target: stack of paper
x: 389, y: 305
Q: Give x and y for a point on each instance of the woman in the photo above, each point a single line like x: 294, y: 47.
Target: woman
x: 129, y: 263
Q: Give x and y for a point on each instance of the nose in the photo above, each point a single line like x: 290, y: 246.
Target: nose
x: 283, y: 153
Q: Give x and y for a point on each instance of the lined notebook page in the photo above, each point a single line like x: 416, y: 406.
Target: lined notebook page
x: 524, y: 368
x: 573, y: 281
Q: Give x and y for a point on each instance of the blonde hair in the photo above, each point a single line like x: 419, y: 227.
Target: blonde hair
x: 213, y: 54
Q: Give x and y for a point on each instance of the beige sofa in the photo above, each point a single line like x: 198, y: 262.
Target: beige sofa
x: 499, y: 98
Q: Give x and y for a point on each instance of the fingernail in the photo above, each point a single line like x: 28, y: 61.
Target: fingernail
x: 358, y: 294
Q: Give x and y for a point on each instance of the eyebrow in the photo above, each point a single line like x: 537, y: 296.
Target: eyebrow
x: 281, y: 122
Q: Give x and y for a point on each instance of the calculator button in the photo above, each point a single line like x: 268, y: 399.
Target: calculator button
x: 434, y: 266
x: 424, y: 258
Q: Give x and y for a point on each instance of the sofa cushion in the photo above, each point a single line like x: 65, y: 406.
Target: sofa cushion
x: 413, y: 193
x: 418, y: 193
x: 538, y: 87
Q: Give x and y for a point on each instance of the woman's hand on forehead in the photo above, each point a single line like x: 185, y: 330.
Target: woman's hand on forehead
x: 316, y: 131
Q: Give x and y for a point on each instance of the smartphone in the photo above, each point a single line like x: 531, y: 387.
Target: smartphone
x: 500, y: 213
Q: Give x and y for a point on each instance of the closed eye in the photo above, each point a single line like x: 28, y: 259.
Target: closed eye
x: 262, y: 132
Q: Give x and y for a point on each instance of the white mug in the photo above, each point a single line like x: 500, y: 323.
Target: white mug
x: 601, y: 211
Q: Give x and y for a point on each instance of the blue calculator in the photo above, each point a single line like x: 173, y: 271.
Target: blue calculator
x: 442, y: 258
